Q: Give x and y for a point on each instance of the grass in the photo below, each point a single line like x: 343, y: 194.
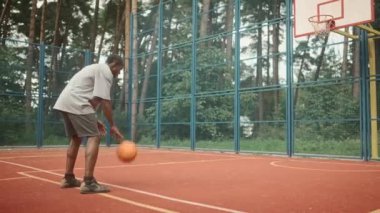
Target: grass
x: 343, y: 148
x: 351, y: 147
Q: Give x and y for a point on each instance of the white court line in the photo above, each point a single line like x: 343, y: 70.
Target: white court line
x: 132, y: 190
x: 14, y: 178
x: 146, y: 206
x: 111, y: 151
x: 338, y: 163
x: 164, y: 163
x: 30, y: 156
x: 176, y: 199
x: 30, y: 167
x: 276, y: 164
x: 157, y: 151
x: 149, y: 164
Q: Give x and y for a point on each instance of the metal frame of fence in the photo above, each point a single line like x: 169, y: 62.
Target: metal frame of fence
x: 235, y: 93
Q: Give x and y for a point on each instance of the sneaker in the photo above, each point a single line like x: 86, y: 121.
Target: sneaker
x: 70, y: 182
x: 93, y: 187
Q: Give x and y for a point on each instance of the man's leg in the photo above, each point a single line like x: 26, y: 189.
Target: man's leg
x: 69, y: 179
x: 89, y: 184
x: 72, y: 153
x: 85, y: 126
x: 92, y: 151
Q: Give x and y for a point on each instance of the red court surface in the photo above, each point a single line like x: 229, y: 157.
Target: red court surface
x: 186, y: 181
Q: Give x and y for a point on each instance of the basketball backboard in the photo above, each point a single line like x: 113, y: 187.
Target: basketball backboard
x: 344, y: 12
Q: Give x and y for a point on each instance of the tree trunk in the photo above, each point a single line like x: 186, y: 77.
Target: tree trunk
x: 148, y: 66
x: 356, y: 69
x: 168, y: 32
x: 42, y: 41
x: 320, y: 58
x: 117, y: 37
x: 4, y: 11
x: 300, y: 76
x: 94, y: 27
x: 275, y: 51
x: 105, y: 22
x: 135, y: 72
x: 259, y: 77
x: 54, y: 63
x: 229, y: 28
x: 268, y: 34
x: 30, y: 66
x: 345, y: 55
x: 43, y: 18
x: 4, y: 26
x: 205, y: 16
x: 127, y: 50
x: 118, y: 28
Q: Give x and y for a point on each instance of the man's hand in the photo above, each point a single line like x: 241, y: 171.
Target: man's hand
x: 95, y: 102
x: 116, y: 133
x: 101, y: 128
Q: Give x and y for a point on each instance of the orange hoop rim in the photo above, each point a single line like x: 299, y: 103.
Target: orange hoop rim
x: 321, y: 19
x: 322, y: 24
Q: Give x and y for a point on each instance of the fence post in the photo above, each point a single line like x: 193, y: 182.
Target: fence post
x: 159, y: 75
x: 40, y: 112
x: 364, y: 96
x: 237, y: 79
x: 87, y: 57
x: 289, y: 81
x: 130, y: 79
x: 193, y: 118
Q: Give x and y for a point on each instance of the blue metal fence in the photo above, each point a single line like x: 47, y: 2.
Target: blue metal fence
x: 201, y: 93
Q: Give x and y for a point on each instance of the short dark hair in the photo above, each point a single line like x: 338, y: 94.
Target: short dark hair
x: 115, y: 58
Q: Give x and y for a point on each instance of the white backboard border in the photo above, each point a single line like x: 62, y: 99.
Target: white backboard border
x: 345, y: 12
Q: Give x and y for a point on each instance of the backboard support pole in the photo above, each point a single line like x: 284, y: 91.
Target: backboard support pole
x: 369, y: 29
x: 343, y: 33
x: 373, y: 99
x: 372, y: 33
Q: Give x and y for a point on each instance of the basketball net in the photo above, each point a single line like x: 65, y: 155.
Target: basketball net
x: 322, y: 24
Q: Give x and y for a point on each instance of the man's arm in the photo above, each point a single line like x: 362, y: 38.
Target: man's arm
x: 107, y: 110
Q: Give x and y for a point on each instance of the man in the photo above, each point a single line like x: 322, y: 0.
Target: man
x: 86, y: 91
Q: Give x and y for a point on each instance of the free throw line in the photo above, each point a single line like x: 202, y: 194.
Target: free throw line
x: 128, y: 189
x: 146, y: 206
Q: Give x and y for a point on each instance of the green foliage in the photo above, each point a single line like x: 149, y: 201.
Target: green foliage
x: 328, y: 147
x: 326, y: 112
x: 53, y: 139
x: 12, y: 100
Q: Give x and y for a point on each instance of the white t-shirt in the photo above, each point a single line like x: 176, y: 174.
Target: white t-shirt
x: 93, y: 80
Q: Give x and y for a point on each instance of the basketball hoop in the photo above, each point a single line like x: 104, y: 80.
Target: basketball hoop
x: 322, y: 24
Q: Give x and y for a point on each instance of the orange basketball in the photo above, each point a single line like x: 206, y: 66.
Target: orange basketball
x: 126, y: 151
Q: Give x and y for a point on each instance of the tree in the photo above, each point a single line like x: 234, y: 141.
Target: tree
x: 259, y: 65
x: 148, y: 64
x: 94, y: 27
x: 120, y: 18
x: 5, y: 13
x: 43, y: 18
x: 127, y: 54
x: 320, y: 57
x: 275, y: 50
x: 135, y: 73
x: 345, y: 55
x: 30, y: 66
x: 356, y: 69
x: 57, y: 41
x: 204, y: 18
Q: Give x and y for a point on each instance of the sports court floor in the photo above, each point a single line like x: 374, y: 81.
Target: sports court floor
x: 185, y: 181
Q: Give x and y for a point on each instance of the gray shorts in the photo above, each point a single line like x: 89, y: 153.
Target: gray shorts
x: 80, y: 125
